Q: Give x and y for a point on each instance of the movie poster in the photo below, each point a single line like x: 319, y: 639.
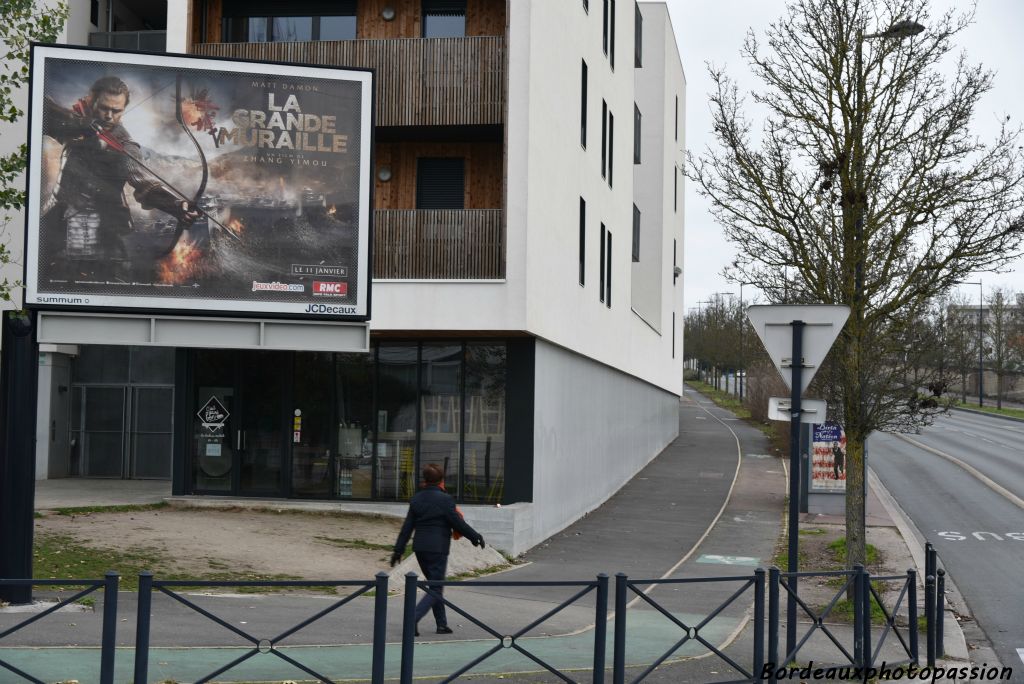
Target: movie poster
x: 828, y: 458
x: 167, y: 182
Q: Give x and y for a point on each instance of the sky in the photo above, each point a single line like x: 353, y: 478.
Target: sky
x: 713, y: 31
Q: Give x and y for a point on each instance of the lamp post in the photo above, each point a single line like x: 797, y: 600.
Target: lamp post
x: 743, y: 324
x: 981, y: 339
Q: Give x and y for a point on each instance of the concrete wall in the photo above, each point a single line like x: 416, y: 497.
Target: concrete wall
x: 594, y: 429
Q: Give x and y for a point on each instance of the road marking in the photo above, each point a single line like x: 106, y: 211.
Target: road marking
x: 987, y: 481
x: 700, y: 417
x: 729, y: 560
x: 1020, y: 653
x: 758, y: 455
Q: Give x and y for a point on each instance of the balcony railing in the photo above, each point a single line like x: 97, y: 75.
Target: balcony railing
x: 439, y: 244
x: 420, y: 81
x: 146, y: 41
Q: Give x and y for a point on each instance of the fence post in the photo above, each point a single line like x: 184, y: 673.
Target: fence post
x: 408, y: 627
x: 109, y: 628
x: 600, y: 627
x: 929, y: 616
x: 858, y: 615
x: 912, y: 613
x: 619, y: 655
x: 866, y: 612
x: 773, y: 621
x: 142, y: 621
x: 940, y: 614
x: 758, y: 622
x: 380, y: 626
x: 929, y: 559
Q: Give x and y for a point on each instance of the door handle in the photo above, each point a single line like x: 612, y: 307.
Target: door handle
x: 243, y: 439
x: 238, y: 440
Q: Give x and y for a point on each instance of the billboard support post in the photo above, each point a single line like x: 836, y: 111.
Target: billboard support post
x: 19, y: 368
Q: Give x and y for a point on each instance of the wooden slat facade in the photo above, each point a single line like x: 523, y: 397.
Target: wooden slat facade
x: 438, y: 244
x: 420, y: 81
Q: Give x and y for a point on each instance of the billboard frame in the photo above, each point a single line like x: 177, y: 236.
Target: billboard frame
x: 216, y: 312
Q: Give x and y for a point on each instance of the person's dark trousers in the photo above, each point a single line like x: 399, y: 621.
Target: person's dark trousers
x: 434, y: 566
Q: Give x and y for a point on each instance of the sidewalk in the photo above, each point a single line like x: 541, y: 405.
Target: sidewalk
x: 710, y: 505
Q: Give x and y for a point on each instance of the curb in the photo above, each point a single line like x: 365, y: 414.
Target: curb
x: 986, y: 413
x: 954, y: 641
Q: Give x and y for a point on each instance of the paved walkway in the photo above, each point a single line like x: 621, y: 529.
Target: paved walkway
x: 710, y: 505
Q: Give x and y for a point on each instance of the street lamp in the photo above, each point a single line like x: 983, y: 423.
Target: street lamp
x: 981, y: 339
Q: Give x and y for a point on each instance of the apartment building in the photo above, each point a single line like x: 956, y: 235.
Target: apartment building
x: 526, y: 293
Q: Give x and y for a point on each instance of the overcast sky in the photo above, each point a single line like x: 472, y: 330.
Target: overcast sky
x: 713, y: 31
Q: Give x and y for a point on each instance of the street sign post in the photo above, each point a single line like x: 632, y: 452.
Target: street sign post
x: 796, y: 337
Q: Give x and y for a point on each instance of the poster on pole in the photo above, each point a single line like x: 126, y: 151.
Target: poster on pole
x: 828, y: 458
x: 194, y: 185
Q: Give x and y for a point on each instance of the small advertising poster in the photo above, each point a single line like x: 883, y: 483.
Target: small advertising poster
x: 167, y: 182
x: 828, y: 458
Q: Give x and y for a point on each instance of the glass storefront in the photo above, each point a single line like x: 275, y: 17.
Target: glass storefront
x: 349, y: 426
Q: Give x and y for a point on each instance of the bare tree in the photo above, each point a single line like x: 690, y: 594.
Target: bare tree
x: 865, y: 186
x: 1000, y: 328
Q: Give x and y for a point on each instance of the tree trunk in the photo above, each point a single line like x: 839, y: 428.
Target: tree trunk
x: 855, y: 500
x: 999, y: 390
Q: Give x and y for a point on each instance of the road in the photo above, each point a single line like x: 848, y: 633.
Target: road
x: 977, y: 531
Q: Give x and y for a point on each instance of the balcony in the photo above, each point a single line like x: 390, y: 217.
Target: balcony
x: 438, y: 244
x: 420, y: 81
x: 145, y: 41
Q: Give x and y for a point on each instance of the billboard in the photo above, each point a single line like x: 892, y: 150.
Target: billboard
x: 171, y: 183
x: 828, y: 458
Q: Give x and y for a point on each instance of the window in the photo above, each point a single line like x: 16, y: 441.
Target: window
x: 675, y: 188
x: 94, y: 13
x: 586, y: 6
x: 677, y: 117
x: 636, y: 234
x: 583, y: 238
x: 444, y: 18
x: 583, y: 106
x: 675, y: 263
x: 604, y: 139
x: 636, y: 134
x: 608, y: 275
x: 638, y: 37
x: 264, y: 21
x: 611, y: 39
x: 600, y: 266
x: 604, y: 29
x: 440, y: 183
x: 673, y: 334
x: 611, y: 145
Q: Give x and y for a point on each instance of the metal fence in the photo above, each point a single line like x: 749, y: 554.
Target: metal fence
x: 762, y: 588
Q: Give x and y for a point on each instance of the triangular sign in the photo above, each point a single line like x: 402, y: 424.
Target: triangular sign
x: 822, y: 325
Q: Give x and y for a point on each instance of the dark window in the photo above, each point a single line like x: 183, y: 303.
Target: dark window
x: 604, y: 139
x: 444, y: 18
x: 611, y: 145
x: 263, y: 21
x: 586, y: 6
x: 583, y: 106
x: 638, y: 38
x: 608, y: 275
x: 636, y: 134
x: 94, y: 13
x: 675, y: 189
x: 600, y: 264
x: 604, y: 29
x: 636, y: 233
x: 675, y: 275
x: 583, y: 237
x: 611, y: 39
x: 673, y: 334
x: 440, y: 183
x: 677, y: 117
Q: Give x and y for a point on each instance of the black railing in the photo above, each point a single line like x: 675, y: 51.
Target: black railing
x: 144, y: 41
x: 862, y: 653
x: 109, y: 636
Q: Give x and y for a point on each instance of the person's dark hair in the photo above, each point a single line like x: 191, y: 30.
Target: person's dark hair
x: 110, y: 85
x: 432, y: 473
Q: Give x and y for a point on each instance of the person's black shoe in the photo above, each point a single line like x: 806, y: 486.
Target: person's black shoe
x: 444, y: 630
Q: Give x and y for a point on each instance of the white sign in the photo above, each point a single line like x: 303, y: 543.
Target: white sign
x: 822, y: 325
x: 811, y: 410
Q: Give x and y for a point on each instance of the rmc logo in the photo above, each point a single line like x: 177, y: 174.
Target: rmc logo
x: 329, y: 289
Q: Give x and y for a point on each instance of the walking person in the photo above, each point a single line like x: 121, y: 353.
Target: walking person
x: 838, y: 460
x: 433, y: 516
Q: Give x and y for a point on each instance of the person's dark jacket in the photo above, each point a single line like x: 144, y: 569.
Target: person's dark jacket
x: 432, y: 516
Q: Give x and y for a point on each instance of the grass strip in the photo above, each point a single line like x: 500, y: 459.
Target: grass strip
x: 1012, y: 413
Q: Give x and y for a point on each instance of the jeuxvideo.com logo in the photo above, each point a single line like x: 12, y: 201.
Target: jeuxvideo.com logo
x: 885, y: 673
x: 277, y: 287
